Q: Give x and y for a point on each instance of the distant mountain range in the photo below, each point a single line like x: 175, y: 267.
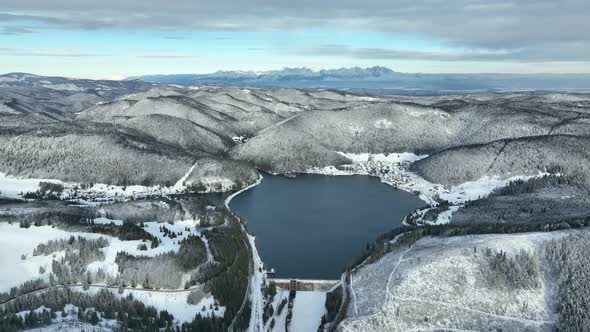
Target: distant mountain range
x: 378, y: 78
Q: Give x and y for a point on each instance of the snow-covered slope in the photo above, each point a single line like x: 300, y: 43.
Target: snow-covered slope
x: 446, y: 284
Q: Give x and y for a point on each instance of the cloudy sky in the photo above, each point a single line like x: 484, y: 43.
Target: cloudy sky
x: 120, y: 38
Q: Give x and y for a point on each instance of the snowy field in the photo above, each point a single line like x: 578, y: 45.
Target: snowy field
x: 308, y: 308
x: 13, y: 187
x: 439, y: 283
x: 176, y: 304
x: 166, y: 243
x: 16, y: 241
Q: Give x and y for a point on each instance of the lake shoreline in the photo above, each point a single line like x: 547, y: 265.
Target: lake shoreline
x: 312, y: 226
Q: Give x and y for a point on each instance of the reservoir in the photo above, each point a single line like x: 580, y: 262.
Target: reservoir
x: 313, y: 226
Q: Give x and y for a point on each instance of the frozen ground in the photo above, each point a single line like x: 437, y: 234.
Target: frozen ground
x: 438, y: 283
x: 308, y: 309
x: 15, y: 242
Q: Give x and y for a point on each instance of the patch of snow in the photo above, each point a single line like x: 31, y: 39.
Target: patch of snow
x: 308, y: 309
x: 176, y: 304
x: 383, y: 124
x: 445, y: 216
x: 15, y: 242
x: 13, y: 187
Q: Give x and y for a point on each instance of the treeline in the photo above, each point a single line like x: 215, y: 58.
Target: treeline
x: 161, y: 271
x: 78, y: 219
x: 29, y: 320
x: 517, y: 271
x: 227, y: 278
x: 25, y: 288
x: 47, y: 190
x: 103, y: 155
x: 408, y: 235
x: 130, y: 313
x: 568, y: 258
x: 126, y: 232
x: 71, y: 268
x: 67, y: 270
x: 72, y: 243
x: 62, y: 217
x: 517, y: 187
x: 192, y: 252
x: 164, y: 270
x: 332, y: 305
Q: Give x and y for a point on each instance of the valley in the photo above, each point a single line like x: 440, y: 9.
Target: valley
x: 127, y: 204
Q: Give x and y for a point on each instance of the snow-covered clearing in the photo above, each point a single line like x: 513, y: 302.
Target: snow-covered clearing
x: 308, y: 309
x: 167, y: 244
x: 176, y: 304
x: 13, y: 187
x: 16, y: 241
x: 440, y: 283
x: 393, y: 169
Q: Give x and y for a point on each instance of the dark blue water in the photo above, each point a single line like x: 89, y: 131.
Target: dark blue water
x: 313, y: 226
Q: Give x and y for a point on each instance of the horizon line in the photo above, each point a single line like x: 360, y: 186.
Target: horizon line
x: 265, y: 72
